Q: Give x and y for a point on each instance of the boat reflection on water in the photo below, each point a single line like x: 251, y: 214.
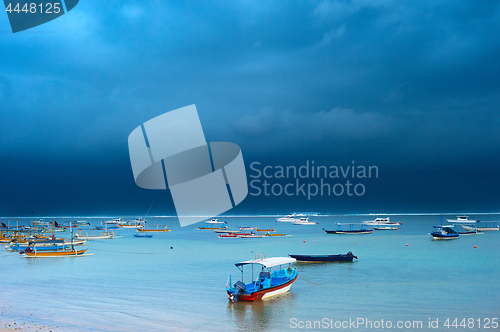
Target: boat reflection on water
x: 270, y: 314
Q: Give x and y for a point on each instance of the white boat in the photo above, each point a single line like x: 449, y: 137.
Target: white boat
x: 138, y: 223
x: 289, y: 218
x: 304, y: 221
x: 385, y: 228
x: 92, y: 236
x: 382, y: 221
x: 215, y: 221
x: 247, y: 228
x: 462, y: 219
x: 251, y: 236
x: 115, y: 222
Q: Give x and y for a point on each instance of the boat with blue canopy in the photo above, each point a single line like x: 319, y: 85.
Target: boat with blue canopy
x: 444, y: 233
x: 275, y: 275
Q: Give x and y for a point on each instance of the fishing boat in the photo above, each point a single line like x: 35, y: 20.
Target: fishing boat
x: 205, y: 227
x: 251, y: 236
x: 38, y: 246
x: 382, y: 221
x: 275, y: 276
x: 461, y: 219
x: 154, y: 230
x: 226, y: 231
x: 133, y: 223
x: 444, y: 233
x: 143, y: 235
x: 107, y: 226
x: 265, y: 230
x: 228, y: 235
x: 29, y: 253
x: 483, y: 226
x: 81, y: 223
x: 288, y: 218
x: 247, y: 228
x: 470, y: 231
x: 275, y: 234
x: 65, y: 252
x: 385, y: 228
x: 362, y: 229
x: 325, y: 258
x: 304, y: 221
x: 93, y: 236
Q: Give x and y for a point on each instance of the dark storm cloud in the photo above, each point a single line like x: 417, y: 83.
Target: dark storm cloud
x: 412, y: 87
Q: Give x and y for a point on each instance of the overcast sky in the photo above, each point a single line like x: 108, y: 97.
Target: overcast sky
x: 412, y: 87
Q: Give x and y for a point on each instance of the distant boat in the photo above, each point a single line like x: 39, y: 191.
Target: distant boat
x: 382, y: 221
x: 385, y: 228
x: 275, y: 234
x: 246, y: 228
x: 250, y: 236
x: 143, y: 235
x: 444, y: 233
x: 93, y: 236
x: 276, y: 277
x: 212, y: 225
x: 304, y: 221
x: 265, y: 230
x: 289, y: 218
x: 59, y: 253
x: 325, y: 258
x: 215, y: 221
x: 133, y: 223
x: 228, y: 235
x: 81, y: 223
x: 362, y: 229
x: 483, y: 226
x: 154, y: 230
x: 462, y: 219
x: 226, y: 231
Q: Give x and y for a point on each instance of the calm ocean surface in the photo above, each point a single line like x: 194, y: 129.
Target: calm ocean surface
x: 140, y: 284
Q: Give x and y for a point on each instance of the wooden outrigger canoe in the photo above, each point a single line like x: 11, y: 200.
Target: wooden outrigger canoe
x: 277, y: 234
x: 265, y: 230
x: 153, y: 230
x: 58, y: 253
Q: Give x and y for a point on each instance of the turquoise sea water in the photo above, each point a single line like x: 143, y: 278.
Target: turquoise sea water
x: 140, y: 284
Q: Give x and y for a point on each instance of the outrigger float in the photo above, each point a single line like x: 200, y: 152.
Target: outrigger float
x: 275, y: 276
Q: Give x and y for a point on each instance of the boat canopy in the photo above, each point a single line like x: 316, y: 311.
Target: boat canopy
x: 269, y: 262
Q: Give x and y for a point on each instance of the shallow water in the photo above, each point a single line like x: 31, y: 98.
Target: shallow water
x: 140, y: 284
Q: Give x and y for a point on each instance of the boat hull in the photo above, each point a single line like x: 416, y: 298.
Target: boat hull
x: 267, y: 293
x: 440, y: 236
x: 323, y: 258
x: 152, y: 230
x: 55, y: 253
x: 366, y: 231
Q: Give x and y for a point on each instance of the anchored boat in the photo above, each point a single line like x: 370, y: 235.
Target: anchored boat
x: 382, y: 221
x: 362, y: 229
x: 461, y: 220
x: 158, y: 229
x: 288, y: 218
x: 444, y: 233
x: 304, y: 221
x: 324, y: 258
x: 275, y: 276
